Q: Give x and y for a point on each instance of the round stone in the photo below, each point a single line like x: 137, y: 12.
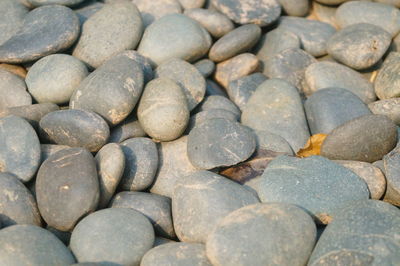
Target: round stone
x: 298, y: 8
x: 388, y: 107
x: 219, y: 102
x: 206, y: 67
x: 55, y: 2
x: 12, y: 14
x: 267, y: 141
x: 12, y: 91
x: 387, y: 80
x: 155, y: 9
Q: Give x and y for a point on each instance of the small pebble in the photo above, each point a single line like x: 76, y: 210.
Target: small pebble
x: 219, y: 102
x: 388, y: 107
x: 206, y: 67
x: 127, y: 129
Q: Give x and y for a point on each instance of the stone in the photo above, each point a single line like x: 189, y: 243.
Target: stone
x: 382, y: 15
x: 113, y: 29
x: 216, y: 23
x: 143, y: 62
x: 395, y: 3
x: 325, y: 13
x: 115, y: 235
x: 209, y: 196
x: 262, y: 13
x: 372, y: 175
x: 163, y: 110
x: 12, y: 14
x: 387, y: 83
x: 213, y: 88
x: 110, y: 164
x: 367, y: 138
x: 219, y: 142
x: 84, y: 12
x: 155, y: 207
x: 127, y: 129
x: 276, y: 107
x: 67, y: 188
x: 387, y: 107
x: 187, y: 77
x: 323, y: 75
x: 54, y: 78
x: 12, y: 91
x: 186, y: 4
x: 267, y: 141
x: 47, y: 150
x: 158, y: 241
x: 45, y: 30
x: 206, y: 67
x: 63, y: 236
x: 112, y: 90
x: 331, y: 107
x: 174, y: 165
x: 363, y: 233
x: 20, y: 148
x: 313, y: 34
x: 17, y: 205
x: 390, y: 167
x: 295, y: 7
x: 276, y: 233
x: 219, y: 102
x: 237, y: 41
x: 55, y: 2
x: 32, y: 245
x: 194, y: 39
x: 315, y: 184
x: 75, y: 128
x: 203, y: 116
x: 15, y: 69
x: 178, y: 254
x: 235, y: 68
x: 141, y: 163
x: 154, y: 10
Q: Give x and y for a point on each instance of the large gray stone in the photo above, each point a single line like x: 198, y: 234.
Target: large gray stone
x: 12, y: 90
x: 387, y: 107
x: 12, y: 13
x: 387, y: 82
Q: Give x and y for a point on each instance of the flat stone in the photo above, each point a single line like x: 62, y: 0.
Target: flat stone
x: 295, y: 7
x: 75, y: 128
x: 367, y: 138
x: 206, y: 67
x: 213, y: 88
x: 194, y: 39
x: 113, y: 29
x: 154, y: 10
x: 203, y: 116
x: 54, y: 78
x: 315, y: 184
x: 12, y: 14
x: 363, y: 233
x: 115, y: 235
x: 216, y: 23
x: 219, y: 102
x: 276, y: 107
x: 329, y: 108
x: 238, y: 41
x: 209, y: 196
x: 67, y: 188
x: 47, y: 150
x: 110, y: 164
x: 263, y: 12
x: 155, y: 207
x: 17, y: 205
x: 323, y: 75
x: 280, y: 233
x: 178, y: 254
x: 45, y: 30
x: 55, y: 2
x: 219, y: 142
x: 267, y: 141
x: 163, y: 110
x: 12, y: 91
x: 388, y: 107
x: 112, y: 90
x: 141, y: 163
x: 187, y: 77
x: 24, y: 245
x: 313, y: 34
x: 387, y: 82
x: 20, y: 152
x: 390, y: 167
x: 129, y: 128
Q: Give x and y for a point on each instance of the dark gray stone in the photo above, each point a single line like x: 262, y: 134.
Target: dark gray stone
x: 209, y: 196
x: 46, y: 150
x: 155, y: 207
x: 46, y: 30
x: 329, y: 108
x: 12, y: 13
x: 155, y: 9
x: 315, y: 184
x: 219, y: 102
x: 116, y: 235
x: 67, y: 188
x: 206, y: 115
x: 267, y: 141
x: 129, y: 128
x: 55, y: 2
x: 205, y: 66
x: 276, y: 233
x: 391, y: 164
x: 20, y: 148
x: 12, y: 90
x: 298, y: 8
x: 387, y: 80
x: 75, y: 128
x: 213, y: 88
x: 367, y: 138
x: 32, y: 245
x: 388, y: 107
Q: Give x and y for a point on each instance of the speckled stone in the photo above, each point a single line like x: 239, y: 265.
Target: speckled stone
x: 315, y: 184
x: 17, y: 205
x: 216, y: 23
x: 46, y: 150
x: 267, y: 141
x: 155, y: 9
x: 298, y: 8
x: 206, y: 67
x: 262, y: 12
x: 276, y: 106
x: 67, y: 187
x: 75, y: 128
x: 112, y: 90
x: 276, y: 233
x: 367, y: 138
x: 391, y: 164
x: 219, y: 102
x: 20, y: 148
x: 32, y: 245
x: 12, y: 13
x: 213, y: 88
x: 116, y: 235
x: 129, y: 128
x: 209, y: 196
x: 387, y: 81
x: 45, y: 30
x: 155, y: 207
x: 158, y: 38
x: 388, y: 107
x: 55, y: 2
x: 12, y: 90
x: 323, y: 75
x: 239, y: 40
x: 113, y: 29
x: 329, y: 108
x: 187, y: 77
x: 363, y: 233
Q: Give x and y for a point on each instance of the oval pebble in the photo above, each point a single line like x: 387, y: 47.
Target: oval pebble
x: 46, y: 150
x: 219, y: 102
x: 129, y: 128
x: 13, y: 13
x: 155, y: 9
x: 206, y: 115
x: 386, y: 82
x: 297, y: 8
x: 388, y: 107
x: 206, y: 67
x: 12, y: 90
x: 267, y: 141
